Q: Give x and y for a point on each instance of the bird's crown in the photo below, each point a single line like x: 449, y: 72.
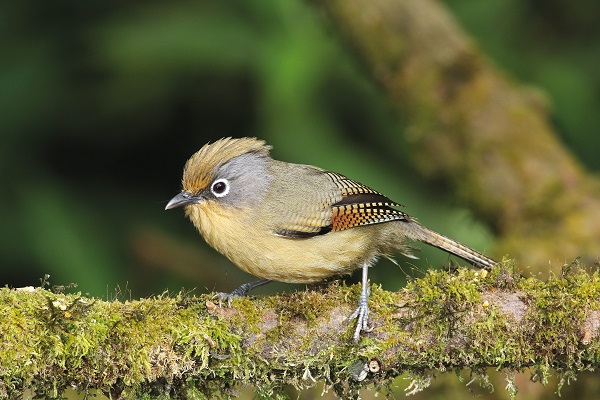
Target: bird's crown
x: 201, y: 168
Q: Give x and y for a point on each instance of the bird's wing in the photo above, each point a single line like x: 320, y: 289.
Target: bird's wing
x: 334, y: 203
x: 360, y: 205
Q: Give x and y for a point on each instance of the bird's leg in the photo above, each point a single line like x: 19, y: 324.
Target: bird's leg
x: 239, y: 292
x: 362, y: 312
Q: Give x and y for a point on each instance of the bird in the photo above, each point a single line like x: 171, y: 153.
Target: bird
x: 296, y: 223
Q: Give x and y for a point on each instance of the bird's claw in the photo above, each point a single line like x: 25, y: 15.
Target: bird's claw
x: 226, y: 296
x: 239, y: 292
x: 362, y: 314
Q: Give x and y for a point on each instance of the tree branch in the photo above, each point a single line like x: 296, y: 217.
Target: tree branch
x: 181, y: 346
x: 472, y: 126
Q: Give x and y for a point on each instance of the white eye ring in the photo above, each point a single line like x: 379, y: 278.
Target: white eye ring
x: 220, y: 187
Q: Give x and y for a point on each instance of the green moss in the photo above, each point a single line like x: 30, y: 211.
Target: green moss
x: 182, y: 346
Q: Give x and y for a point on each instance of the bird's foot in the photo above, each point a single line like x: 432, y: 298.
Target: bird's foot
x: 221, y: 296
x: 239, y: 292
x: 361, y: 314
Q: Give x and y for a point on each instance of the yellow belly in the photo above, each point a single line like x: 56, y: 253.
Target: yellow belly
x: 260, y: 252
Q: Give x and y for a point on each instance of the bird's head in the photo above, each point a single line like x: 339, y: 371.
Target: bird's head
x: 230, y: 171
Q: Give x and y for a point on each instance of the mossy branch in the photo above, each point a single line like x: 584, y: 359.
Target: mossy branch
x: 189, y: 347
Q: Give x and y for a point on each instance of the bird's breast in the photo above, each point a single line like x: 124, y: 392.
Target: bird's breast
x: 251, y: 246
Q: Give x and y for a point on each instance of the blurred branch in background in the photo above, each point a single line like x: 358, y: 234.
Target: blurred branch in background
x: 472, y: 126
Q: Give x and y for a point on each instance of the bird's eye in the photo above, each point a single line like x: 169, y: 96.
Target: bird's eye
x: 220, y: 187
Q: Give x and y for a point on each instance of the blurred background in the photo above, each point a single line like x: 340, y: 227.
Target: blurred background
x: 101, y: 104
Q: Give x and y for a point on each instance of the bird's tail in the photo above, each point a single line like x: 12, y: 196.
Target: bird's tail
x: 418, y: 232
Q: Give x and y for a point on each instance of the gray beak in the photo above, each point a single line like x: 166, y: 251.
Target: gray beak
x: 182, y: 199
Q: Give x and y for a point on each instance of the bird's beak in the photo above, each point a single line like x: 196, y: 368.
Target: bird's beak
x: 182, y: 199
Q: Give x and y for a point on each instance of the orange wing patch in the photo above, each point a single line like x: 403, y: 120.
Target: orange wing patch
x: 347, y: 216
x: 361, y: 205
